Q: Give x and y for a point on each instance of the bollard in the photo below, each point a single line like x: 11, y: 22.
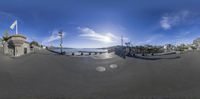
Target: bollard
x: 89, y: 53
x: 81, y: 53
x: 73, y: 53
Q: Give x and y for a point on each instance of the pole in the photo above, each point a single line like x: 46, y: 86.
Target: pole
x: 61, y: 41
x: 122, y: 41
x: 16, y: 27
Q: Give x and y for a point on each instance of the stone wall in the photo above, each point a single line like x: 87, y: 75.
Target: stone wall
x: 1, y: 49
x: 16, y: 46
x: 5, y: 48
x: 18, y: 51
x: 198, y: 48
x: 23, y: 49
x: 35, y: 48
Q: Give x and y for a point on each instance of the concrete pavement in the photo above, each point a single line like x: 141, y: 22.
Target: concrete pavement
x: 44, y: 75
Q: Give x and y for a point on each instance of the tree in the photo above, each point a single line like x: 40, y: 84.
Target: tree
x: 5, y: 36
x: 35, y: 43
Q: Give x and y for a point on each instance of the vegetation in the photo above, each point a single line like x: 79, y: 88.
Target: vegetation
x: 148, y: 49
x: 182, y: 47
x: 35, y: 43
x: 18, y: 35
x: 5, y: 36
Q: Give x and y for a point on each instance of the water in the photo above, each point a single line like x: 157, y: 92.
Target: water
x: 78, y: 50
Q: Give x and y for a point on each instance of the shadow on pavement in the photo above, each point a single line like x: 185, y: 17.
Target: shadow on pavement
x: 154, y: 58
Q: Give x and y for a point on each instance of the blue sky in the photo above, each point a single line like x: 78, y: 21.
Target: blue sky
x: 100, y: 23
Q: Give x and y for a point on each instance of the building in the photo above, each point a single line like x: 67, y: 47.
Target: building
x: 16, y: 45
x: 169, y: 48
x: 196, y: 42
x: 1, y: 44
x: 35, y: 47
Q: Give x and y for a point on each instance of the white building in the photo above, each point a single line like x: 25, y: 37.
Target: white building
x: 1, y: 44
x: 16, y: 46
x: 196, y: 42
x: 169, y: 48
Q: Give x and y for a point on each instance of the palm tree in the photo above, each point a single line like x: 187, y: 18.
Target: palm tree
x: 5, y: 36
x: 4, y: 39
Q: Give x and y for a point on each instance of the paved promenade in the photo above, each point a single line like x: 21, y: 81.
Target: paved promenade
x: 44, y: 75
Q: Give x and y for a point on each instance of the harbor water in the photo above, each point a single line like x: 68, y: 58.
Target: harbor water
x: 78, y: 51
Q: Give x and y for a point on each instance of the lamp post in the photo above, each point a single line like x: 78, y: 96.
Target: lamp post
x: 61, y: 41
x: 122, y: 41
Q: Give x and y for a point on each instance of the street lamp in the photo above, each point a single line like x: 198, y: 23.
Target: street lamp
x: 60, y: 33
x: 122, y: 41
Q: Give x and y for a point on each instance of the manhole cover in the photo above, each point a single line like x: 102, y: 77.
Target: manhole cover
x: 101, y: 69
x: 113, y: 66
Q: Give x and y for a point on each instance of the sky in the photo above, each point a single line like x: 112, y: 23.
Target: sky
x: 101, y: 23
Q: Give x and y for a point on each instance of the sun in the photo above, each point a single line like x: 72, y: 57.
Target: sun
x: 107, y: 39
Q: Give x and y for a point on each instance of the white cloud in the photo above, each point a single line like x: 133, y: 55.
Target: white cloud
x: 183, y: 41
x: 183, y: 34
x: 165, y: 24
x: 90, y: 34
x: 169, y: 20
x: 151, y: 39
x: 54, y: 36
x: 186, y: 33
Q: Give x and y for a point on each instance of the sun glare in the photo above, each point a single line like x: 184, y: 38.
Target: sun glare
x: 107, y: 39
